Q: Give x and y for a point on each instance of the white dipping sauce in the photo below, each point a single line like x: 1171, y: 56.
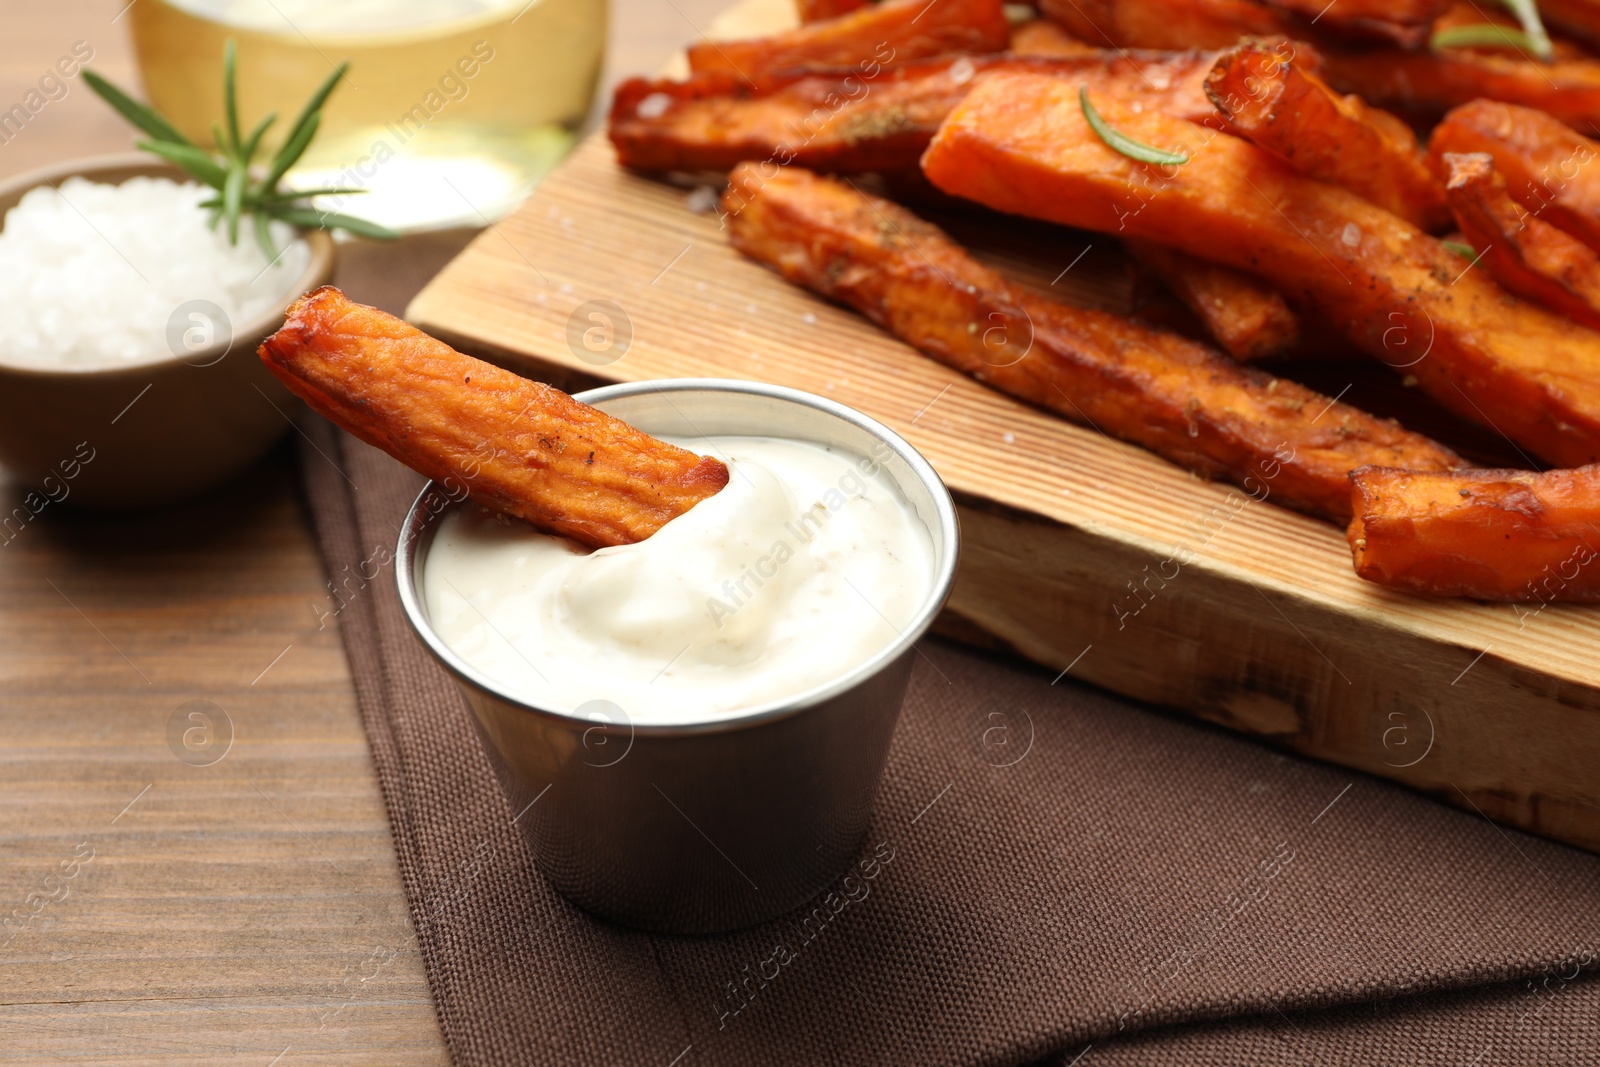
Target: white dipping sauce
x: 806, y: 565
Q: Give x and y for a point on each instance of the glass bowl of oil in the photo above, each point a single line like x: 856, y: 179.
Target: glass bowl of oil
x: 452, y: 110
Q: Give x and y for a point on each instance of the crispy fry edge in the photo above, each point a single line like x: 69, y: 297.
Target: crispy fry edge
x: 640, y: 483
x: 1503, y: 535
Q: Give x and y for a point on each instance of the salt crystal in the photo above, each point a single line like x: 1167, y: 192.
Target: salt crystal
x: 653, y: 106
x: 703, y: 199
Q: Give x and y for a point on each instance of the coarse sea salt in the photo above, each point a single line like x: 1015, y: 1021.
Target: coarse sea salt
x: 93, y: 272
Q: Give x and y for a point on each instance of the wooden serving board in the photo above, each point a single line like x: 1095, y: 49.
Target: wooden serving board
x: 1085, y: 554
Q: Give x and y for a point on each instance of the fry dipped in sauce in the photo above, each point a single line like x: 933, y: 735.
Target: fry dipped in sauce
x: 518, y: 446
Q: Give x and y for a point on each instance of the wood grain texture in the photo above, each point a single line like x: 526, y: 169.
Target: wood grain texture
x: 226, y: 910
x: 233, y: 911
x: 1076, y: 544
x: 249, y: 911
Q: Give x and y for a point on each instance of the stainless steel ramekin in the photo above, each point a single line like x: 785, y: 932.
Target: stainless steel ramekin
x: 726, y: 822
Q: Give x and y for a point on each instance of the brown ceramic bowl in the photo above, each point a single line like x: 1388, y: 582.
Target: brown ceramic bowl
x: 131, y: 433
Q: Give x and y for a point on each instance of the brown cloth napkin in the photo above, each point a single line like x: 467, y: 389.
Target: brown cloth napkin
x: 1070, y: 878
x: 1057, y: 868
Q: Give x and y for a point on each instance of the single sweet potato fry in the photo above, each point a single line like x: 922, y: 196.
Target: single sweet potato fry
x: 1578, y: 19
x: 1491, y: 534
x: 817, y: 10
x: 1019, y: 143
x: 1243, y: 314
x: 1177, y: 398
x: 1406, y: 22
x: 1165, y: 23
x: 1402, y: 12
x: 886, y: 32
x: 1523, y: 253
x: 1423, y: 85
x: 1268, y: 99
x: 851, y: 121
x: 1221, y: 23
x: 1426, y: 85
x: 843, y: 121
x: 1041, y: 37
x: 1549, y: 168
x: 514, y: 445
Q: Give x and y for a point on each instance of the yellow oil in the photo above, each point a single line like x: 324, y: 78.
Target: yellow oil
x: 451, y: 111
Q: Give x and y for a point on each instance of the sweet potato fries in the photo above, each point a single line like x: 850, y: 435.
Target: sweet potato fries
x: 1268, y: 97
x: 1165, y: 23
x: 1177, y: 398
x: 1243, y: 314
x: 514, y: 445
x: 1525, y: 254
x: 1406, y: 22
x: 1020, y: 143
x: 1551, y: 170
x: 816, y: 10
x: 1212, y: 141
x: 881, y: 32
x: 1493, y: 534
x: 1427, y: 84
x: 1220, y: 23
x: 1041, y: 37
x: 1579, y: 19
x: 844, y: 121
x: 877, y: 119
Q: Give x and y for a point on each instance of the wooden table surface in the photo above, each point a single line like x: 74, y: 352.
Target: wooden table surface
x: 246, y: 911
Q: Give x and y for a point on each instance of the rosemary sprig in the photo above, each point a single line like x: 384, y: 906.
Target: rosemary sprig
x: 1532, y: 38
x: 1481, y: 35
x: 1122, y: 142
x: 231, y: 169
x: 1527, y: 12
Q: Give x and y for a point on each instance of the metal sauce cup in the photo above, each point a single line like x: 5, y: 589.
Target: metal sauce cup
x: 695, y: 827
